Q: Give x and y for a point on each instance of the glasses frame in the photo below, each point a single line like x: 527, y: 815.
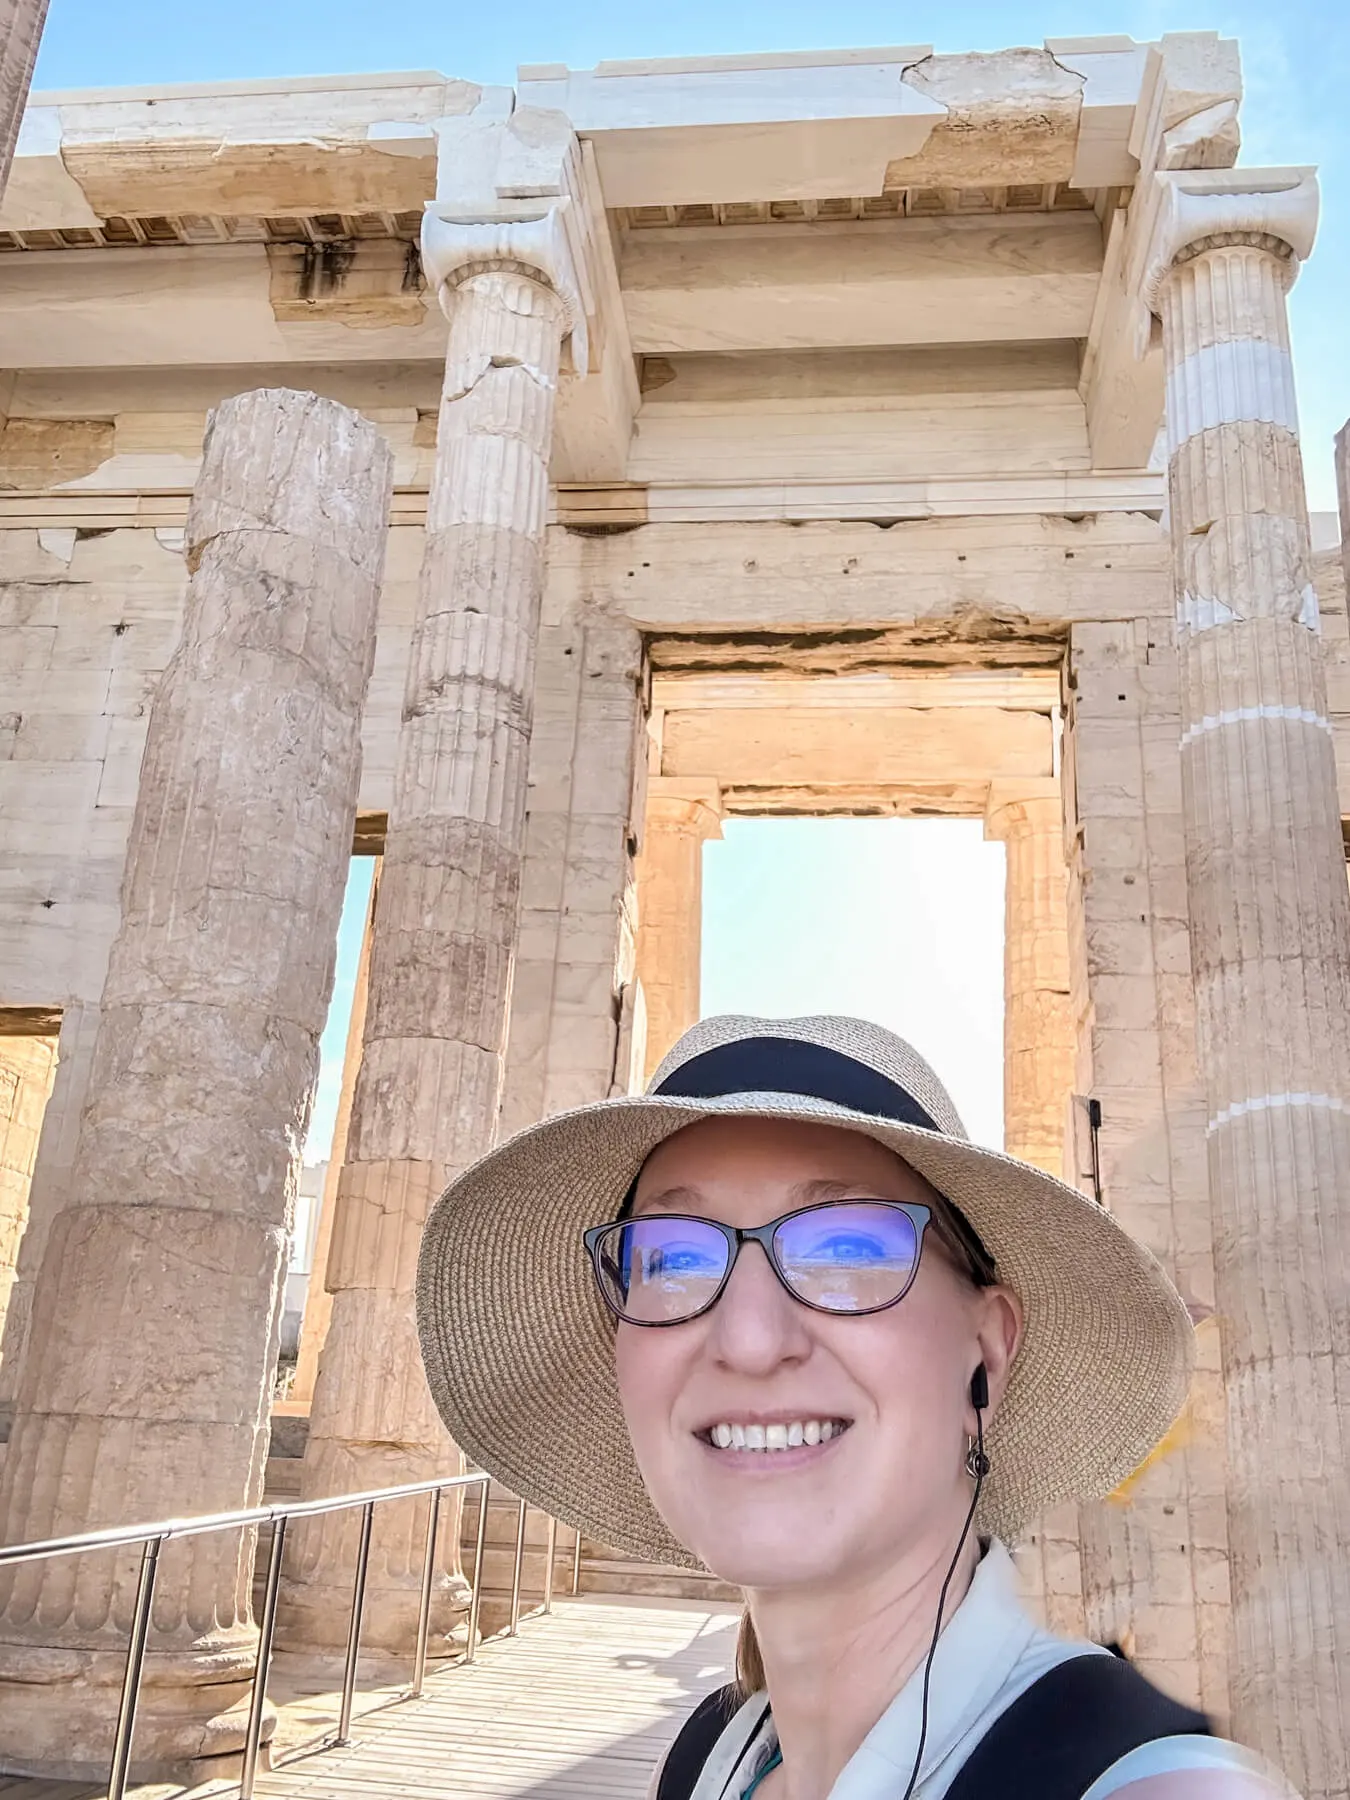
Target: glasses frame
x: 919, y: 1215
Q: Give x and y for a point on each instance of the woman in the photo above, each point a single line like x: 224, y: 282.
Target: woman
x: 840, y: 1356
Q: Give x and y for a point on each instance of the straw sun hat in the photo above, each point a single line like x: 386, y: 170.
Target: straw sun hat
x: 519, y: 1348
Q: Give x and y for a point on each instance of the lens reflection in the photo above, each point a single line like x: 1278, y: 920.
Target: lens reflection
x: 661, y: 1269
x: 849, y: 1257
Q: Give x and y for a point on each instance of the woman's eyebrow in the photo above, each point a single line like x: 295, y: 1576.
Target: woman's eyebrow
x: 666, y: 1198
x: 804, y: 1192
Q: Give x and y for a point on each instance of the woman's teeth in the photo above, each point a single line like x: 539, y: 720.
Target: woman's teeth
x: 777, y: 1437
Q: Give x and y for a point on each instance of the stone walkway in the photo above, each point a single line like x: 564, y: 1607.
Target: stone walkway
x: 580, y: 1706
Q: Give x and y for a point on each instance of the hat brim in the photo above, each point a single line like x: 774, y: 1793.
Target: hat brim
x: 519, y: 1348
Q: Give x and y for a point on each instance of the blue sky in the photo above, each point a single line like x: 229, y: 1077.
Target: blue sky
x: 898, y: 919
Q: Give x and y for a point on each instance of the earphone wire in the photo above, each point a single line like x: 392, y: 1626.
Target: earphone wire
x: 980, y: 1467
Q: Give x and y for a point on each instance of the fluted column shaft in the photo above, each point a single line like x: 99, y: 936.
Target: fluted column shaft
x: 21, y: 23
x: 1038, y: 1032
x: 156, y: 1317
x: 670, y: 909
x: 1270, y: 945
x: 429, y: 1087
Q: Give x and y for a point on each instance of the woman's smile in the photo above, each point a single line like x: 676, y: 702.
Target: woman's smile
x: 758, y: 1445
x: 783, y: 1432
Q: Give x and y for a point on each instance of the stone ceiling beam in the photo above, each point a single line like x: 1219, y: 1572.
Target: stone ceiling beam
x: 329, y: 144
x: 858, y: 800
x: 957, y: 586
x: 816, y: 748
x: 184, y: 308
x: 1019, y: 690
x: 826, y: 285
x: 823, y: 124
x: 742, y: 128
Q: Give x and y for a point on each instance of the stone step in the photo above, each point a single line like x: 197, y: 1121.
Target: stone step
x: 610, y: 1572
x: 604, y: 1570
x: 281, y: 1479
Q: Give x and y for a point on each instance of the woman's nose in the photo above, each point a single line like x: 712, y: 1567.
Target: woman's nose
x: 756, y: 1324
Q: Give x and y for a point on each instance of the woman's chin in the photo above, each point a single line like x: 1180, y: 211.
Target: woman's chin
x: 756, y: 1557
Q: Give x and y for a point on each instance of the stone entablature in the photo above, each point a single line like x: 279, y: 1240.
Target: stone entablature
x: 962, y: 200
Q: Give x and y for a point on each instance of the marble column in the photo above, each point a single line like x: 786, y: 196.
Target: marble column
x: 1038, y: 1032
x: 157, y: 1309
x: 681, y: 817
x: 574, y: 1035
x: 429, y: 1088
x: 21, y: 23
x: 318, y: 1301
x: 1154, y: 1562
x: 1270, y: 944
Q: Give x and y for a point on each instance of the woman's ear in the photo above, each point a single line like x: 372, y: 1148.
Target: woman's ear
x: 999, y: 1332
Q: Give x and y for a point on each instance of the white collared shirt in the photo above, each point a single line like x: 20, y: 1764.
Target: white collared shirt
x: 989, y: 1654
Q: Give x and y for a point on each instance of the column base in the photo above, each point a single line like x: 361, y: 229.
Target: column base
x: 58, y: 1710
x: 319, y: 1571
x: 314, y: 1617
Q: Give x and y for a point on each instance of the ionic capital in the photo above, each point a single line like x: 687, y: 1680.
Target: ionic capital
x: 531, y: 241
x: 1188, y: 206
x: 686, y: 805
x: 1017, y: 807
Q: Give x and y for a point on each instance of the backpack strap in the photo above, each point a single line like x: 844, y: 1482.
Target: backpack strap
x: 1067, y: 1729
x: 1052, y: 1743
x: 694, y: 1745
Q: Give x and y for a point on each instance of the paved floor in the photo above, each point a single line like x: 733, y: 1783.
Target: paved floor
x: 580, y: 1706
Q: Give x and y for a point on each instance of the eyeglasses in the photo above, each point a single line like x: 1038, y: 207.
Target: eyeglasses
x: 842, y: 1256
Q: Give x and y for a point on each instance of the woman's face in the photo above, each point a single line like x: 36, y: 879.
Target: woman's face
x: 893, y: 1386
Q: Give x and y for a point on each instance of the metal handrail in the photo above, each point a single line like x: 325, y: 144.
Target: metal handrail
x: 153, y: 1537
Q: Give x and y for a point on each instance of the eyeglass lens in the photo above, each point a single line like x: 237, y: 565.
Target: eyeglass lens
x: 843, y: 1257
x: 850, y: 1258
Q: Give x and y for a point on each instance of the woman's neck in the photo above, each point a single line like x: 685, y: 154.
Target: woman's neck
x: 835, y: 1659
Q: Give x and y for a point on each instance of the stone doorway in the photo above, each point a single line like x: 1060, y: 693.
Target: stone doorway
x: 978, y: 746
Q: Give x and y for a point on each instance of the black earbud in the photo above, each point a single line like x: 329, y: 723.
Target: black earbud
x: 977, y: 1467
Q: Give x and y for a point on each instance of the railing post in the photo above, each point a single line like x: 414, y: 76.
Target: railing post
x: 424, y: 1614
x: 153, y: 1537
x: 480, y: 1546
x: 266, y: 1629
x: 576, y: 1563
x: 344, y: 1731
x: 548, y: 1572
x: 131, y: 1683
x: 515, y: 1574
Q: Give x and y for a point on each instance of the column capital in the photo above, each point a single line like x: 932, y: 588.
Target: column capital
x: 529, y: 237
x: 1014, y: 804
x: 690, y: 803
x: 1187, y: 206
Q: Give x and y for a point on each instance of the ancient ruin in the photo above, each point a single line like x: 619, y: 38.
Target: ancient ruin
x: 868, y: 432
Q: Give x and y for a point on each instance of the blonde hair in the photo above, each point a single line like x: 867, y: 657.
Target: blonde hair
x: 749, y: 1662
